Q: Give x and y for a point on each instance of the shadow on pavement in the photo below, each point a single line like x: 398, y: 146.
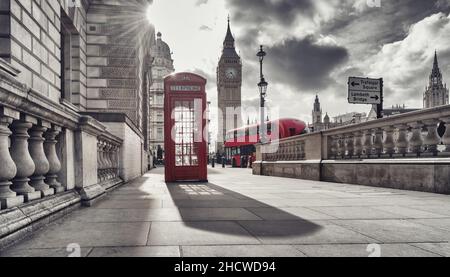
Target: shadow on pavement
x: 202, y: 202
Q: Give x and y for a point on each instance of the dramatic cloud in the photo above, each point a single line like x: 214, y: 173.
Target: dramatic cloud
x: 406, y: 64
x: 304, y: 63
x: 314, y: 46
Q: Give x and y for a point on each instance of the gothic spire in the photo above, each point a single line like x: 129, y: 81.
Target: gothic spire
x: 436, y: 71
x: 229, y: 39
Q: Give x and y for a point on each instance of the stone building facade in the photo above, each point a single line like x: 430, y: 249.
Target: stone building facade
x: 436, y: 93
x: 229, y: 83
x: 74, y: 82
x: 162, y: 66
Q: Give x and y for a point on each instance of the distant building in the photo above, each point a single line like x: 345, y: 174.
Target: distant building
x: 436, y: 94
x: 162, y: 66
x: 398, y: 109
x: 341, y: 120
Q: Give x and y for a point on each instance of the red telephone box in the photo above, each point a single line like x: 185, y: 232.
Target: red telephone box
x: 185, y: 143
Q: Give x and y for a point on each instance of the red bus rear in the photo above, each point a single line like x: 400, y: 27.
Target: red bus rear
x: 240, y: 143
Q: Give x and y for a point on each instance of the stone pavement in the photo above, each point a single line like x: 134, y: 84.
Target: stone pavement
x: 238, y: 214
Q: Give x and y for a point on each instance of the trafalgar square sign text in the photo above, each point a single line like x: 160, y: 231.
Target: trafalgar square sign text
x: 365, y: 91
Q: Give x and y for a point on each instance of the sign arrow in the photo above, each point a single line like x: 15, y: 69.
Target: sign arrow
x: 375, y: 97
x: 354, y: 84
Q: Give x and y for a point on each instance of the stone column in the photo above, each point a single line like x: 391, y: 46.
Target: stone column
x: 432, y: 138
x: 36, y: 148
x: 415, y: 142
x: 388, y: 142
x: 358, y: 144
x: 8, y: 169
x: 22, y: 158
x: 446, y: 137
x: 54, y: 163
x: 402, y: 140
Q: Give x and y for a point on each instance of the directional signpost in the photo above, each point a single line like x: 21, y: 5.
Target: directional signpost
x: 366, y: 91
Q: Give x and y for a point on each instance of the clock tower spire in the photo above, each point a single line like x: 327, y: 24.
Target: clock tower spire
x: 229, y: 82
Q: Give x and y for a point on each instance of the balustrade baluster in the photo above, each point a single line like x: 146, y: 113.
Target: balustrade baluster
x: 54, y: 163
x: 416, y: 141
x: 8, y: 169
x: 22, y: 158
x: 358, y: 147
x: 367, y: 144
x: 349, y: 145
x: 377, y: 146
x: 446, y: 137
x: 36, y: 148
x: 432, y: 139
x: 388, y: 142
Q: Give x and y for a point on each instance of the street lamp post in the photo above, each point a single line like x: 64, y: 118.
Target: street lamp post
x: 262, y: 93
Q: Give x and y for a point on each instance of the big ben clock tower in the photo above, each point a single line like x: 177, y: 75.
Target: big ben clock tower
x: 229, y: 81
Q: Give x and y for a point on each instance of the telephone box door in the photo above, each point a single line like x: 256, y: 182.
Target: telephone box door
x: 184, y: 106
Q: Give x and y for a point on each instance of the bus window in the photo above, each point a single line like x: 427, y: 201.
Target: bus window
x: 292, y: 132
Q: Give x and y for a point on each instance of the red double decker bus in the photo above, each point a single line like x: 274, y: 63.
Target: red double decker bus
x: 240, y: 143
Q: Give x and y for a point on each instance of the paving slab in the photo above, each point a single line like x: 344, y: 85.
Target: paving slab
x: 147, y: 251
x: 65, y: 232
x: 241, y: 251
x: 395, y: 230
x: 363, y: 250
x: 302, y: 232
x: 199, y: 233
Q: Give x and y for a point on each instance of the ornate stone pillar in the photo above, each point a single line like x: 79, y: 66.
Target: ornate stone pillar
x: 8, y: 169
x: 402, y: 140
x: 388, y: 142
x: 36, y: 148
x: 22, y: 158
x: 415, y: 142
x: 52, y: 157
x: 432, y: 138
x: 446, y: 137
x: 367, y: 144
x: 358, y: 144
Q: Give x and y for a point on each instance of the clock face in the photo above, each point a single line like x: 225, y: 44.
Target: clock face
x: 231, y: 73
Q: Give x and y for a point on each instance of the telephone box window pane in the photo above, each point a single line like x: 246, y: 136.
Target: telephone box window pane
x: 186, y: 161
x: 194, y: 160
x: 178, y: 161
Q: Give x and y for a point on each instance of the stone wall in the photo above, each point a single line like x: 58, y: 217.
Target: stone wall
x: 34, y: 45
x: 118, y: 50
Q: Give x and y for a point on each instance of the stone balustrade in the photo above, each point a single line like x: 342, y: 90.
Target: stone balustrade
x: 28, y: 157
x: 412, y: 135
x: 286, y: 150
x: 370, y: 153
x: 30, y: 165
x: 107, y: 160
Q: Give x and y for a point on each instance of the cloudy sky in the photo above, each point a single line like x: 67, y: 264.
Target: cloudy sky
x: 313, y: 46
